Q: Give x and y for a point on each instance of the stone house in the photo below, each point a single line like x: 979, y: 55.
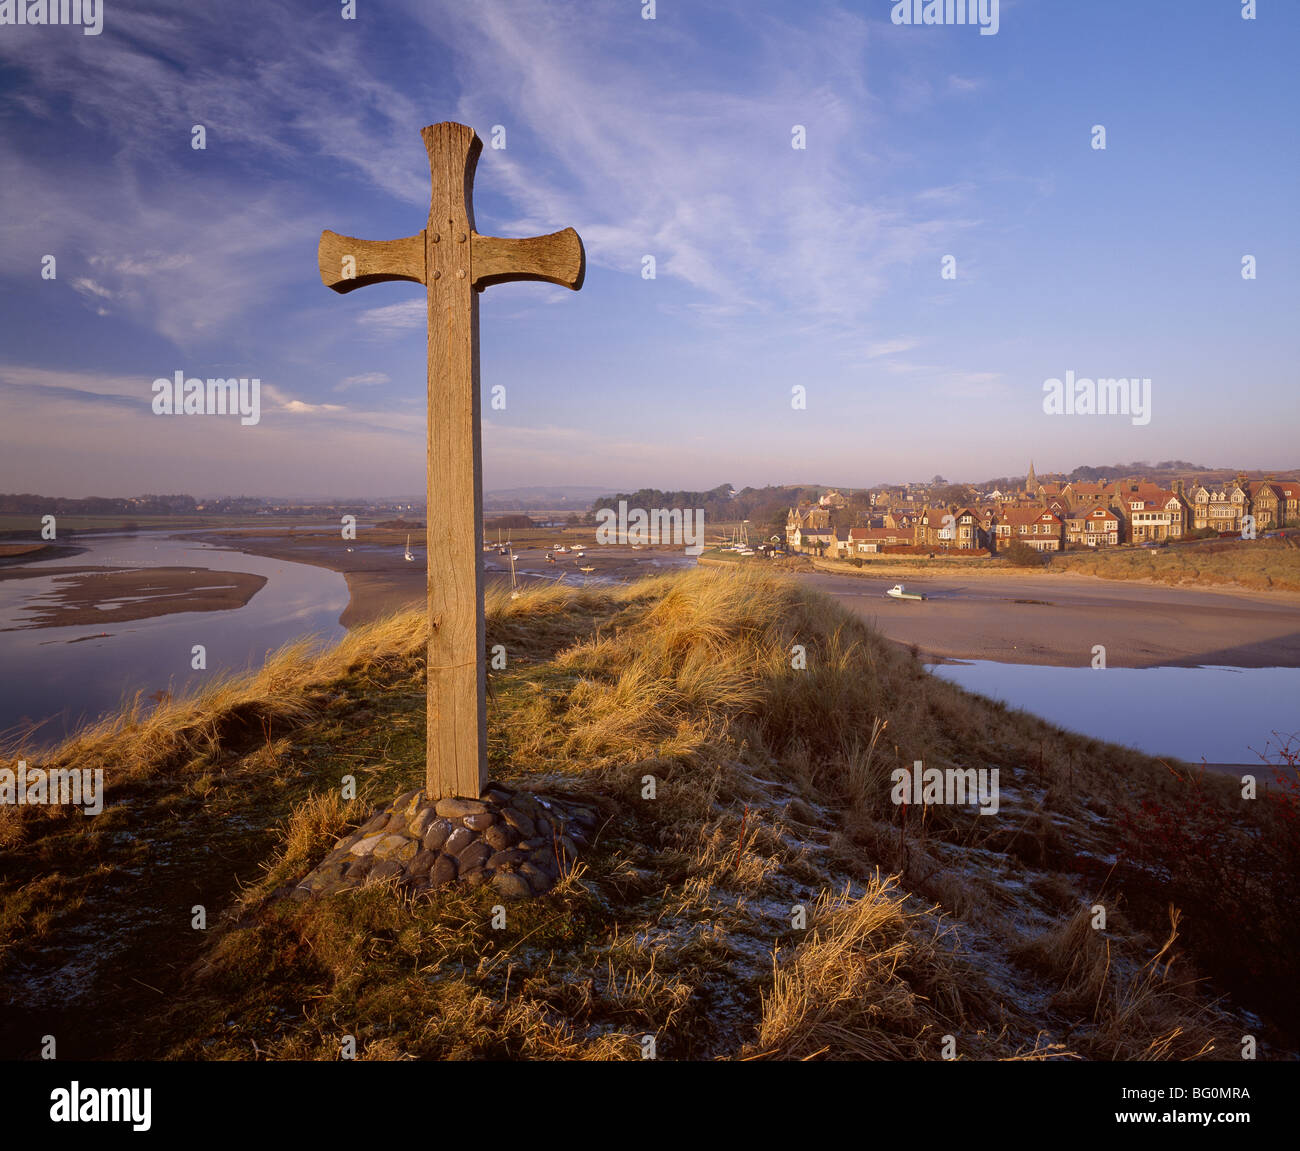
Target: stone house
x: 1154, y: 514
x: 1040, y: 529
x: 863, y: 541
x: 1267, y: 505
x: 1220, y: 507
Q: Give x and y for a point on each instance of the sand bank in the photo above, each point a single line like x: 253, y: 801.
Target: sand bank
x: 108, y: 596
x: 1013, y: 617
x: 381, y: 581
x: 1058, y: 621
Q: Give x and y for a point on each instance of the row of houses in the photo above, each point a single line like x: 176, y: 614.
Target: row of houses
x: 963, y: 529
x: 1050, y: 517
x: 1165, y: 513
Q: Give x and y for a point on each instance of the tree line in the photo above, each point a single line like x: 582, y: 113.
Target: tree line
x: 765, y: 507
x: 26, y: 503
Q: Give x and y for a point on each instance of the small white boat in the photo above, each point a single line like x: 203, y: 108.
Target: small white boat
x: 408, y: 556
x: 561, y: 550
x: 514, y: 579
x: 900, y: 592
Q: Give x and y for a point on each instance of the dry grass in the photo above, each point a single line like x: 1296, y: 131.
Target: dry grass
x: 1259, y: 564
x: 1129, y: 1009
x: 189, y: 733
x: 861, y: 983
x: 766, y: 721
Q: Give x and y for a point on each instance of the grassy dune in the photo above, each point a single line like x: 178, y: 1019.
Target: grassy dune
x: 1259, y: 564
x: 768, y: 902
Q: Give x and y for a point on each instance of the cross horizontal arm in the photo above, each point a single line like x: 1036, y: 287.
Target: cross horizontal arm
x: 346, y: 263
x: 557, y: 259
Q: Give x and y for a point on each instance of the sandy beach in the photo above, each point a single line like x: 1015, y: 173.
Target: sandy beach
x: 1057, y: 620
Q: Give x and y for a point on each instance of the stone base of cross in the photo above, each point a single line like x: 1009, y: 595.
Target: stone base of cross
x: 454, y: 263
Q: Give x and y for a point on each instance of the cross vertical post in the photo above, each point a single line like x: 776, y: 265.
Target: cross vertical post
x: 457, y: 675
x: 454, y: 263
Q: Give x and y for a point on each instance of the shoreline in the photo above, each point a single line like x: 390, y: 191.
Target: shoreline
x: 380, y: 583
x: 1046, y: 575
x: 1018, y: 618
x: 1026, y: 617
x: 96, y: 595
x: 376, y: 587
x: 15, y: 555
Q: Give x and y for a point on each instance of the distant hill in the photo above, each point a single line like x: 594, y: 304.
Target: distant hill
x: 1165, y: 471
x: 543, y: 496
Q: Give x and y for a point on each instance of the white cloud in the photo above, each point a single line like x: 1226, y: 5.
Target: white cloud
x: 695, y: 169
x: 947, y: 194
x: 195, y: 244
x: 145, y: 264
x: 394, y: 318
x: 273, y: 399
x: 88, y: 287
x: 365, y: 380
x: 892, y: 347
x: 90, y: 433
x: 700, y: 176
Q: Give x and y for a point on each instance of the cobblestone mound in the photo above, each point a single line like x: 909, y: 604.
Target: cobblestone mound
x: 516, y: 841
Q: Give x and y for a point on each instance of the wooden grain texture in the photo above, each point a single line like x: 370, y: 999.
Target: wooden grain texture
x: 374, y: 261
x: 457, y: 672
x: 556, y: 259
x: 454, y: 263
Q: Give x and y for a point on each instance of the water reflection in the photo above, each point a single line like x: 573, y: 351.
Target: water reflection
x: 61, y: 674
x: 1215, y: 714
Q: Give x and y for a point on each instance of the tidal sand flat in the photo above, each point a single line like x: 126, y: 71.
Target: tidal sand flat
x: 133, y: 614
x: 1030, y: 619
x: 100, y: 595
x: 27, y: 551
x: 972, y: 614
x: 381, y: 581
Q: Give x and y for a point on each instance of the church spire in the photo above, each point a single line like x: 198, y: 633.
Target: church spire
x: 1031, y: 480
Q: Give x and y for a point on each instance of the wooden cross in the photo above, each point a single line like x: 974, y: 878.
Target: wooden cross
x: 454, y: 263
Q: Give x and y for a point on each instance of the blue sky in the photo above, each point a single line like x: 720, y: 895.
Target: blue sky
x: 672, y: 138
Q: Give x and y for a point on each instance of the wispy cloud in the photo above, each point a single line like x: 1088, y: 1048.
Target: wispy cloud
x: 74, y: 426
x: 93, y: 293
x: 892, y: 347
x: 198, y: 238
x: 364, y: 380
x: 273, y: 398
x: 392, y: 319
x: 683, y: 169
x: 669, y: 138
